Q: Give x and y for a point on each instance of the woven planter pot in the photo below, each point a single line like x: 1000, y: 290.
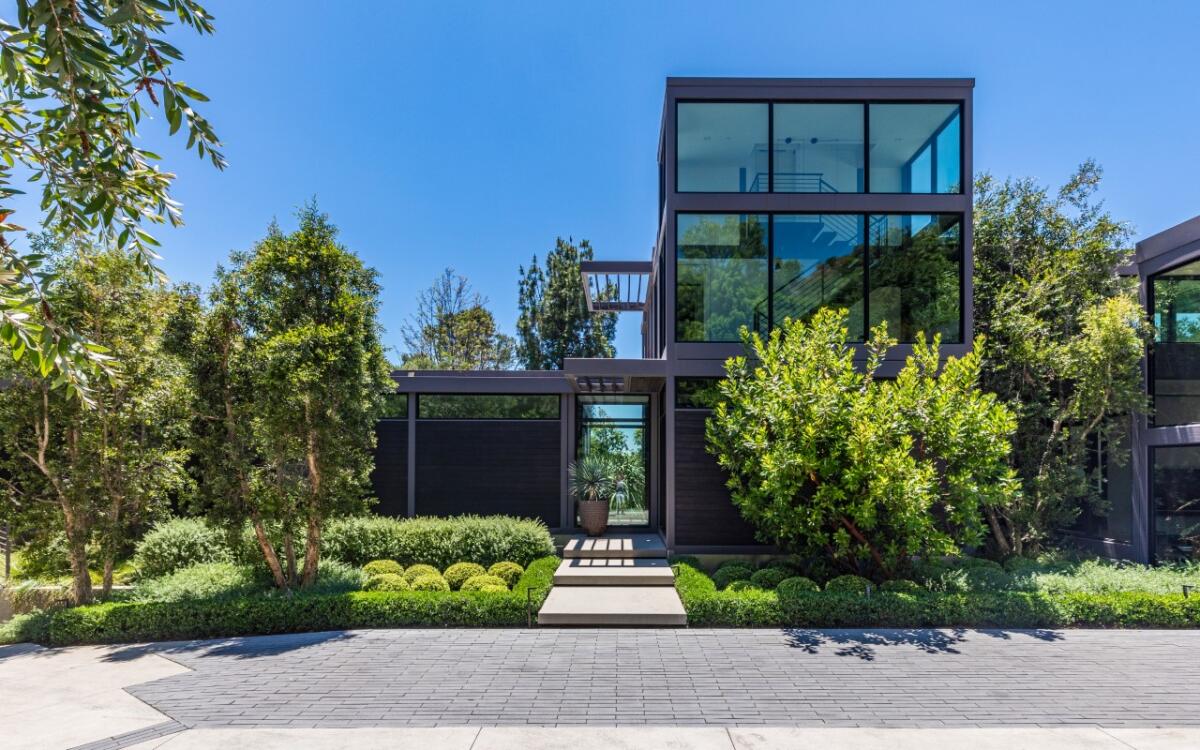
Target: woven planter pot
x: 593, y: 516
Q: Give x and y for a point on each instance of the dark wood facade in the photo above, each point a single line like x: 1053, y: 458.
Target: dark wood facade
x: 704, y: 513
x: 389, y: 480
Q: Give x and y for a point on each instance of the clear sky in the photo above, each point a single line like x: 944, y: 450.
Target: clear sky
x: 471, y: 134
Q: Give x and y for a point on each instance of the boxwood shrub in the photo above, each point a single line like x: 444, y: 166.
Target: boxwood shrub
x: 180, y: 543
x: 509, y: 572
x: 459, y: 573
x: 261, y: 615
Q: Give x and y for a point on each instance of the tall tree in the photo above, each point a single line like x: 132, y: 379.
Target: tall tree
x: 100, y: 470
x: 290, y: 377
x: 1064, y: 340
x: 554, y: 321
x: 78, y: 76
x: 452, y: 329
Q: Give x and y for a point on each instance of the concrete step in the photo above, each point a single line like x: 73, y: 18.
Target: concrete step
x: 612, y: 605
x: 615, y: 545
x: 624, y: 571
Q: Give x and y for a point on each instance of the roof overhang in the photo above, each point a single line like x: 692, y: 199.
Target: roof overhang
x: 615, y: 285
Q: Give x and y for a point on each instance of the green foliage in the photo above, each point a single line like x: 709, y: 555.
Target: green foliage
x: 483, y: 582
x: 1064, y: 341
x: 267, y: 614
x: 554, y: 322
x: 847, y: 584
x: 429, y: 582
x: 45, y: 558
x: 730, y: 573
x: 439, y: 542
x: 458, y: 574
x: 743, y: 585
x: 1097, y: 576
x: 903, y: 586
x: 179, y: 543
x: 826, y: 459
x: 769, y: 578
x: 509, y: 572
x: 413, y: 572
x: 796, y: 585
x: 589, y: 479
x: 202, y: 580
x: 736, y: 563
x: 383, y: 567
x: 452, y: 329
x: 77, y: 79
x: 387, y: 582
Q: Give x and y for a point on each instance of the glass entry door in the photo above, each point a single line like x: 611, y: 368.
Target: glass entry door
x: 614, y: 428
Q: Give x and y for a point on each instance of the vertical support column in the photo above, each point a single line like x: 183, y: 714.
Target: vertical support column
x: 668, y: 462
x: 565, y: 441
x: 412, y: 455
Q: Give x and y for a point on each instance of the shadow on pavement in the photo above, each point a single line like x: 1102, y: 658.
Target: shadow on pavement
x: 863, y: 643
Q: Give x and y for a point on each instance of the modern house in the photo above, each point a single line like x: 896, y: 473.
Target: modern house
x: 776, y: 197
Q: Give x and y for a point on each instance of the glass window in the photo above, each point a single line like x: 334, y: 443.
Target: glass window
x: 721, y: 148
x: 915, y: 275
x: 395, y: 406
x: 696, y: 393
x: 818, y: 148
x: 1175, y: 487
x: 613, y: 429
x: 1107, y: 511
x: 915, y: 148
x: 1176, y: 353
x: 818, y: 262
x: 721, y: 276
x: 487, y: 406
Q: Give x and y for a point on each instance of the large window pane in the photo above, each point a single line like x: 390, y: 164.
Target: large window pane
x: 819, y: 263
x: 915, y: 275
x: 697, y: 393
x: 1176, y: 354
x: 613, y: 429
x: 721, y: 275
x: 1176, y: 493
x: 915, y: 148
x: 395, y: 406
x: 721, y: 148
x: 487, y: 406
x: 1108, y: 512
x: 818, y: 148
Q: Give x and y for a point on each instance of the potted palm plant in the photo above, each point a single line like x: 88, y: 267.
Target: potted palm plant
x: 591, y: 487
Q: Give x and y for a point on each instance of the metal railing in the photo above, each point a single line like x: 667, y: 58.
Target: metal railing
x: 791, y: 182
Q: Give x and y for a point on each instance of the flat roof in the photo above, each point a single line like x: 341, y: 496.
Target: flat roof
x: 841, y: 82
x: 1182, y: 234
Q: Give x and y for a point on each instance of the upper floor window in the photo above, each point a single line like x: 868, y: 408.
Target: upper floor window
x: 915, y: 275
x: 721, y: 148
x: 818, y: 147
x: 721, y: 275
x: 1175, y: 361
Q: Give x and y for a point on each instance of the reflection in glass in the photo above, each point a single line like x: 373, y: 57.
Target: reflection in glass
x: 721, y: 148
x: 1175, y: 488
x: 1107, y: 511
x: 697, y: 393
x: 613, y: 428
x: 915, y: 148
x: 818, y: 148
x: 487, y: 406
x: 915, y: 275
x: 818, y: 262
x: 1176, y: 354
x: 721, y: 275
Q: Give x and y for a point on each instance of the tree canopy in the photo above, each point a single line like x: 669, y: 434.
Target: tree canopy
x: 554, y: 321
x: 452, y: 329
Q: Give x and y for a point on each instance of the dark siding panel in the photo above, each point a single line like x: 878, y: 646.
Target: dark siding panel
x: 488, y: 467
x: 390, y: 477
x: 704, y: 514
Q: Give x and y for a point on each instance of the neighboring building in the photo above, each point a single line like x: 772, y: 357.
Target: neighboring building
x: 777, y: 197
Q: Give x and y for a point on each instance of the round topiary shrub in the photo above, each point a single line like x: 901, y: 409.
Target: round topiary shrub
x: 509, y: 572
x: 769, y: 578
x: 382, y: 567
x: 387, y: 582
x: 730, y: 573
x: 902, y: 586
x: 493, y: 589
x: 848, y: 584
x: 458, y: 573
x: 796, y: 585
x: 744, y: 585
x: 413, y: 572
x: 179, y: 543
x: 429, y: 582
x: 477, y: 583
x: 736, y: 564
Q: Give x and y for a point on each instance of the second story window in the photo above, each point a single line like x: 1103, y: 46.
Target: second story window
x: 1175, y: 361
x: 721, y: 274
x: 818, y: 148
x: 915, y: 148
x: 722, y: 148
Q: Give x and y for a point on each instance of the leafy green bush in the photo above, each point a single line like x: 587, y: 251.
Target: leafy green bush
x: 383, y: 567
x: 769, y: 578
x: 1095, y: 576
x: 903, y: 586
x: 43, y: 559
x: 480, y: 582
x: 458, y: 574
x: 429, y: 582
x: 847, y: 584
x: 413, y: 572
x: 257, y: 615
x: 730, y: 573
x: 386, y: 582
x: 439, y: 542
x: 743, y: 585
x: 214, y: 580
x: 796, y: 585
x: 179, y: 543
x: 509, y: 572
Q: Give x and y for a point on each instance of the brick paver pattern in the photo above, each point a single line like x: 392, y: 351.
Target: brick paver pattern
x: 547, y: 677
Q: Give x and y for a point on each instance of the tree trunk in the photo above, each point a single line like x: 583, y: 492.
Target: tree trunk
x: 268, y: 550
x: 81, y: 579
x: 108, y: 576
x: 289, y: 549
x: 998, y: 532
x: 312, y: 549
x: 312, y: 544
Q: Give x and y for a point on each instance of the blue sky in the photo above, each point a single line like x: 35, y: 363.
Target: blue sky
x: 471, y: 134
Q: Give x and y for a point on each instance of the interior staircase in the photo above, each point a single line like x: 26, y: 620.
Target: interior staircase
x: 617, y: 579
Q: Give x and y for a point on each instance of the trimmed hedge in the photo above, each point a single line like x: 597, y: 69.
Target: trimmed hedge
x: 262, y: 615
x: 180, y: 543
x: 383, y: 567
x: 707, y: 607
x: 509, y: 572
x: 439, y: 542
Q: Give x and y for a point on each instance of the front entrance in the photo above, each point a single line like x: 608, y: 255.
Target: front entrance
x: 615, y: 429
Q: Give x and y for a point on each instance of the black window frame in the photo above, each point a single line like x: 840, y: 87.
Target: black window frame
x: 1151, y: 375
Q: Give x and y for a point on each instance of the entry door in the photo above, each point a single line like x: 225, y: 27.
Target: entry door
x: 615, y: 428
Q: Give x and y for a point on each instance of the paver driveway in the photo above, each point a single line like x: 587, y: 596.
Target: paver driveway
x: 547, y: 677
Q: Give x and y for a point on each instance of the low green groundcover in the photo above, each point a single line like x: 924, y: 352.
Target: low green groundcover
x: 260, y: 615
x: 708, y: 607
